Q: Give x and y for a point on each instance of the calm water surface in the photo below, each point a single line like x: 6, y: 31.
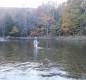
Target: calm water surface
x: 52, y: 60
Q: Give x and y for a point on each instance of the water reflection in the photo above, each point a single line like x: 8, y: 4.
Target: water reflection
x: 36, y: 53
x: 50, y: 60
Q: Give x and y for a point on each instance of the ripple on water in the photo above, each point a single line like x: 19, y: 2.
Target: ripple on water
x: 30, y: 71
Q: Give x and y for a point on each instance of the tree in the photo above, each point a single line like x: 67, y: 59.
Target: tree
x: 14, y: 31
x: 46, y: 16
x: 66, y: 19
x: 73, y: 19
x: 7, y: 24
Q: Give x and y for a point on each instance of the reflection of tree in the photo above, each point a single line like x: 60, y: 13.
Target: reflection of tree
x: 2, y: 52
x: 69, y: 56
x: 47, y: 42
x: 72, y: 60
x: 16, y: 51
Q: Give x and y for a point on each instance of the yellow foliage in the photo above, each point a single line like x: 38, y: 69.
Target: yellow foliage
x: 14, y: 30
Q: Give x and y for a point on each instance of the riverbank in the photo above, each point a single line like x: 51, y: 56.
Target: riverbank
x: 28, y: 38
x: 70, y: 38
x: 58, y: 38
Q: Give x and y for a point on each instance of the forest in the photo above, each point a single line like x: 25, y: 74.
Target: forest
x: 67, y: 19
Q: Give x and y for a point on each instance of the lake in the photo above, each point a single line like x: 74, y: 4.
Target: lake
x: 51, y: 60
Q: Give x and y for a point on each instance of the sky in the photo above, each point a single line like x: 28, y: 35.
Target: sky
x: 26, y: 3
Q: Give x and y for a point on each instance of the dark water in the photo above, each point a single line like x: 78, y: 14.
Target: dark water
x: 52, y: 60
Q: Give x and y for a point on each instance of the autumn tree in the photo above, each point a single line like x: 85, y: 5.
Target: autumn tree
x: 14, y: 31
x: 66, y: 19
x: 46, y: 16
x: 73, y: 18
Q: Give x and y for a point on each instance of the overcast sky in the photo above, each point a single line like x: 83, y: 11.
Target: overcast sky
x: 26, y: 3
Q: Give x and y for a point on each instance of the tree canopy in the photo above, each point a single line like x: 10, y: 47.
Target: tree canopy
x: 68, y: 18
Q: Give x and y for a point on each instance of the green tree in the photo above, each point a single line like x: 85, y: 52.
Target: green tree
x: 73, y: 18
x: 8, y: 23
x: 14, y: 31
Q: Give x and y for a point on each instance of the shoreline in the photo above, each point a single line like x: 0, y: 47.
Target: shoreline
x: 58, y: 38
x: 70, y: 38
